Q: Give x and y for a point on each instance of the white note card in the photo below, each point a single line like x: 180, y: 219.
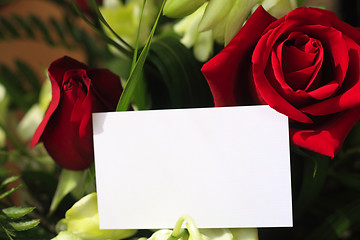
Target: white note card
x: 225, y: 167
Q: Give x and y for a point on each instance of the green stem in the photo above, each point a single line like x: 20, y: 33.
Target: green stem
x: 15, y: 142
x: 191, y: 227
x: 117, y: 45
x: 137, y: 38
x: 102, y: 19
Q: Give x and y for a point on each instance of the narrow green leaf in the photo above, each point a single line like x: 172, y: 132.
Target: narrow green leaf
x: 43, y: 29
x: 26, y: 225
x: 24, y: 24
x: 137, y: 37
x: 9, y: 180
x: 351, y: 180
x: 17, y: 212
x: 9, y: 27
x: 8, y: 233
x: 12, y: 80
x: 314, y: 176
x: 75, y: 33
x: 180, y: 74
x: 11, y: 83
x: 343, y: 219
x: 101, y: 33
x: 60, y: 31
x: 135, y: 75
x: 102, y: 19
x: 29, y: 75
x: 7, y: 193
x: 67, y: 182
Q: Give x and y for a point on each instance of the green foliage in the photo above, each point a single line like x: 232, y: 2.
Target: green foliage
x: 14, y: 218
x: 17, y: 212
x: 136, y: 70
x: 180, y: 75
x: 24, y: 225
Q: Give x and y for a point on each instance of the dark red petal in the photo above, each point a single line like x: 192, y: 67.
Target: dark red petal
x: 106, y: 86
x: 336, y: 51
x: 348, y: 96
x: 60, y: 66
x: 56, y: 94
x: 87, y: 107
x: 62, y: 141
x: 328, y: 138
x: 228, y: 72
x: 268, y: 93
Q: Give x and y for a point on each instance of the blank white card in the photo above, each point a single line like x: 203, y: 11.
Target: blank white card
x: 225, y: 167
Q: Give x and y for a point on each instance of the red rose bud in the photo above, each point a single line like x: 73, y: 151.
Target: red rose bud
x: 305, y: 65
x: 77, y: 92
x: 85, y: 5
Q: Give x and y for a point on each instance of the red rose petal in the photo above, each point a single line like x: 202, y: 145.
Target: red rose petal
x: 51, y: 109
x: 227, y: 73
x: 62, y: 140
x: 327, y: 138
x: 348, y: 96
x: 268, y: 93
x: 66, y: 129
x: 108, y: 91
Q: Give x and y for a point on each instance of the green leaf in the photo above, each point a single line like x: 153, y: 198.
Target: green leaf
x: 9, y: 27
x: 14, y: 87
x: 180, y: 74
x: 100, y: 32
x: 314, y: 176
x: 137, y: 37
x: 17, y: 212
x: 7, y: 193
x: 343, y: 219
x: 9, y: 180
x: 102, y: 19
x: 36, y: 22
x: 24, y: 25
x: 136, y: 73
x: 67, y: 182
x: 351, y: 180
x: 8, y: 233
x: 60, y: 31
x: 25, y: 225
x: 29, y: 75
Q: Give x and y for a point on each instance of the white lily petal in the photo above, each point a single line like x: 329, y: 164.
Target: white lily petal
x: 188, y: 27
x: 215, y: 12
x: 82, y: 219
x: 66, y: 236
x: 280, y: 8
x: 219, y: 31
x: 181, y: 8
x: 204, y: 46
x: 237, y: 17
x: 245, y: 233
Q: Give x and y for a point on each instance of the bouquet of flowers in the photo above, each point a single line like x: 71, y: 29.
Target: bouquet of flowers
x: 302, y: 61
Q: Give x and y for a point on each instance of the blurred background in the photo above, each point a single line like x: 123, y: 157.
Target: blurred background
x: 39, y: 54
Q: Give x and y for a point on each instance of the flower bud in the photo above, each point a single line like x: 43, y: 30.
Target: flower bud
x: 182, y: 8
x: 215, y: 12
x: 279, y: 8
x: 82, y: 220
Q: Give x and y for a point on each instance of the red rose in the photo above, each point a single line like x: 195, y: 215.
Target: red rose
x: 305, y: 65
x: 84, y: 4
x: 77, y: 92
